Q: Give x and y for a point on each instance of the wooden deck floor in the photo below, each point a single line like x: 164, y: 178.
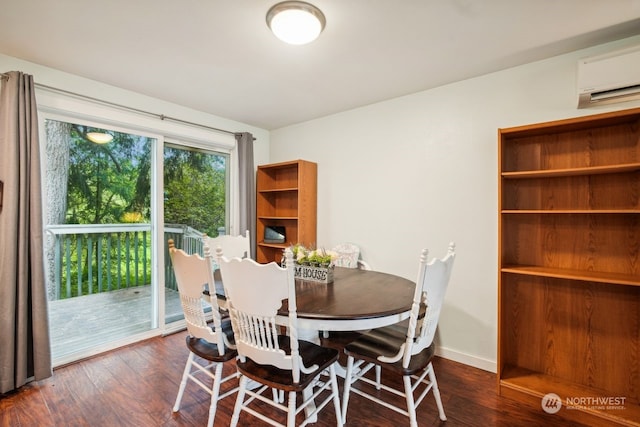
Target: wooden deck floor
x: 78, y: 324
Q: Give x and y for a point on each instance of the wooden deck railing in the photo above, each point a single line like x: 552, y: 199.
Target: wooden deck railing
x: 91, y: 259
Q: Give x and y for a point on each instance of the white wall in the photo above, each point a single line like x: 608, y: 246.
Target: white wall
x: 421, y: 170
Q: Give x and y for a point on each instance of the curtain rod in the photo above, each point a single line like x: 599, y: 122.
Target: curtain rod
x: 113, y: 104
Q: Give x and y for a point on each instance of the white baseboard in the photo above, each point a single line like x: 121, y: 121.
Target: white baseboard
x: 467, y: 359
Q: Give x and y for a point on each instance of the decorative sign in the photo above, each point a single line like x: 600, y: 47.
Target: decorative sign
x: 314, y: 274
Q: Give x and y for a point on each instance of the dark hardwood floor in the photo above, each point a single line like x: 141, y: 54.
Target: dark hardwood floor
x: 137, y: 385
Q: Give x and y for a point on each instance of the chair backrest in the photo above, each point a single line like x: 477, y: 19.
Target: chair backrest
x: 348, y: 255
x: 232, y: 246
x: 254, y: 295
x: 431, y: 286
x: 194, y: 273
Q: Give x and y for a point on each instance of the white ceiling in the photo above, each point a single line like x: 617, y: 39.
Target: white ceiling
x: 218, y: 56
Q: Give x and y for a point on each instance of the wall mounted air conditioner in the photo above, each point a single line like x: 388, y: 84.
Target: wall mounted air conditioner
x: 609, y: 78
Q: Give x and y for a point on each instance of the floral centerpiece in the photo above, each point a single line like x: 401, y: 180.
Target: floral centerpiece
x: 315, y: 265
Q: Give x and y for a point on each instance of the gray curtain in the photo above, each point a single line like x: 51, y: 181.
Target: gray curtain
x: 247, y: 187
x: 25, y: 352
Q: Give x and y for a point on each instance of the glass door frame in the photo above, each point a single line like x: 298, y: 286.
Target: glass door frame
x: 63, y: 107
x: 177, y: 143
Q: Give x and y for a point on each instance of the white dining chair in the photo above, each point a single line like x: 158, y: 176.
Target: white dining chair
x: 255, y: 294
x: 213, y: 344
x: 348, y: 256
x: 232, y: 246
x: 405, y: 349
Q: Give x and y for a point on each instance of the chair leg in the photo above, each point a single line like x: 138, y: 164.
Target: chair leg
x: 278, y: 395
x: 183, y: 382
x: 347, y: 387
x: 378, y: 370
x: 215, y: 392
x: 411, y: 407
x: 239, y: 401
x: 291, y: 411
x: 436, y: 392
x: 336, y: 395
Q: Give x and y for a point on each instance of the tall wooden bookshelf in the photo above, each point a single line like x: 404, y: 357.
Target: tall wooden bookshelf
x: 287, y: 197
x: 569, y: 265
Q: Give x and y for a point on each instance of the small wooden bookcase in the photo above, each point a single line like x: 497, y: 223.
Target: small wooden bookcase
x: 286, y: 196
x: 569, y: 265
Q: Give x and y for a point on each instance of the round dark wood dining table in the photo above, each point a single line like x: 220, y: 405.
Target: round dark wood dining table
x: 356, y: 300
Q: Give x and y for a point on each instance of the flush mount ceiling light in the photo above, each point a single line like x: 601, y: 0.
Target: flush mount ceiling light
x: 99, y: 137
x: 295, y: 22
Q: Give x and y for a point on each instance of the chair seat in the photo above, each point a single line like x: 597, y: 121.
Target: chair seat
x: 387, y: 341
x: 312, y: 354
x: 208, y: 350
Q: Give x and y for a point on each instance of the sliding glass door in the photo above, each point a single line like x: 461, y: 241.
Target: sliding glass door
x: 196, y: 202
x: 99, y: 251
x: 109, y: 276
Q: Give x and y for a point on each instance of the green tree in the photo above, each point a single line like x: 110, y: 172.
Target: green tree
x: 195, y: 189
x: 107, y: 180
